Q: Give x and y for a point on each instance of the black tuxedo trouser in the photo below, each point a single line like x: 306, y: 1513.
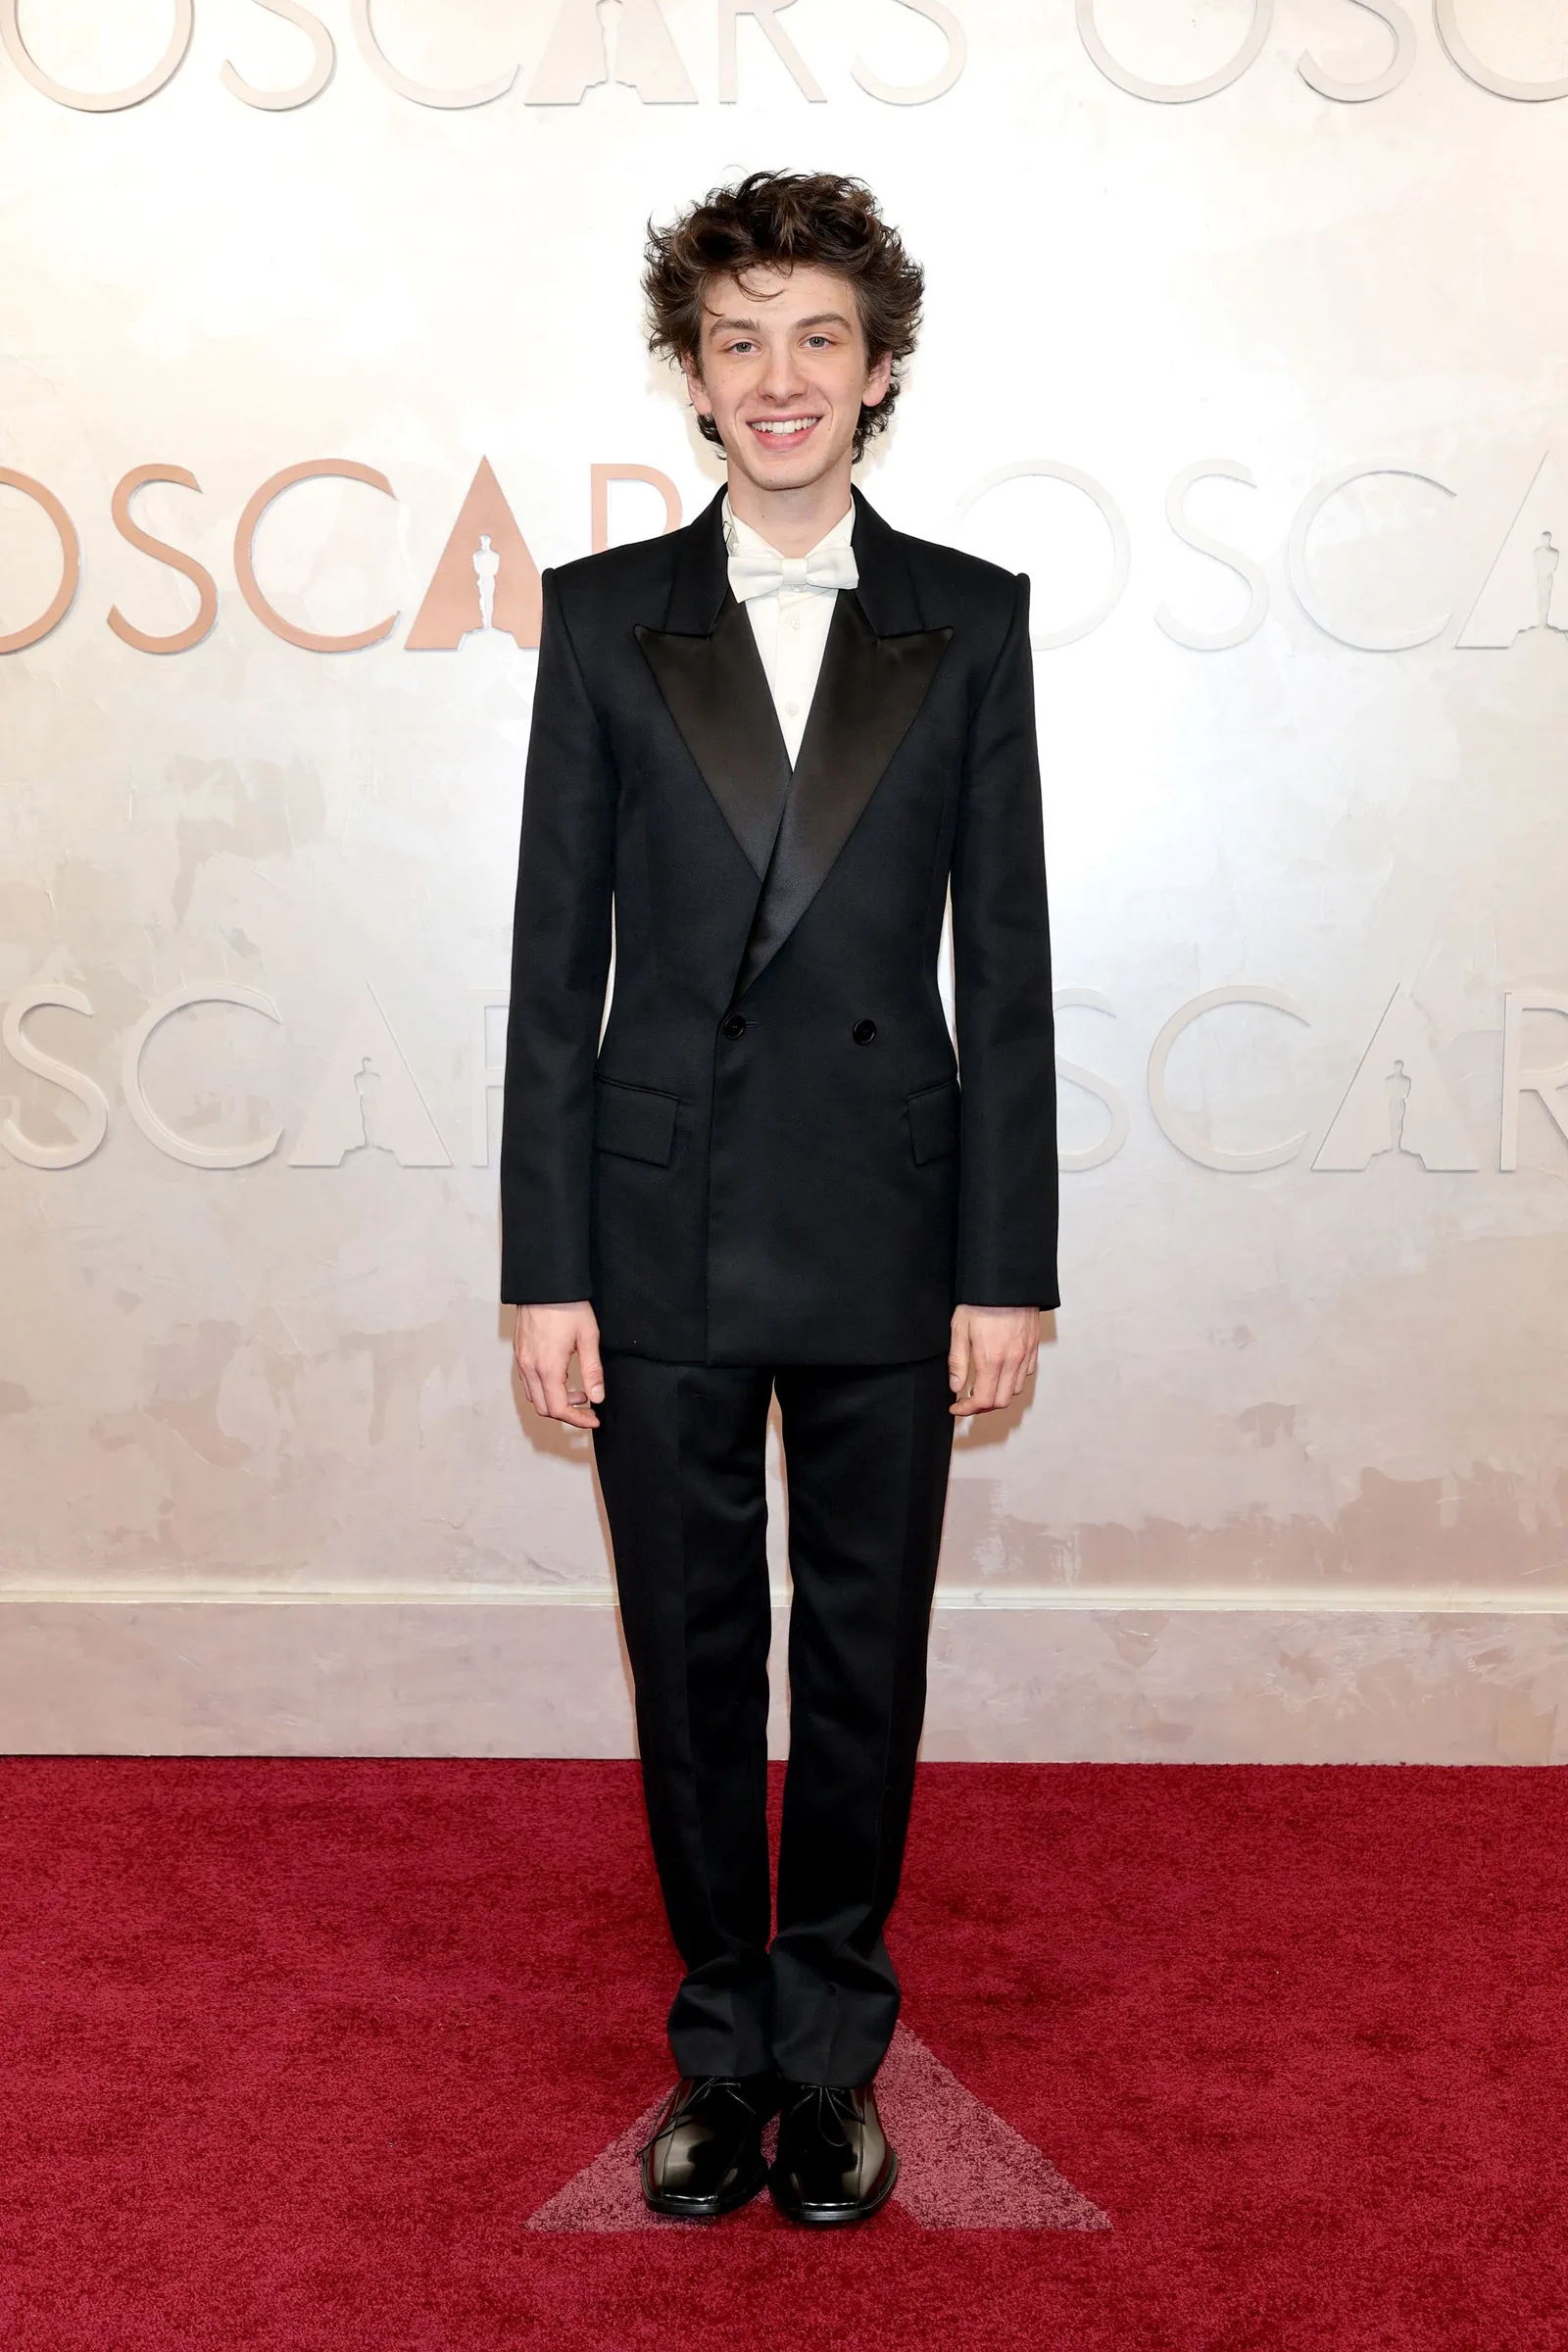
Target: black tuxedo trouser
x: 680, y: 1458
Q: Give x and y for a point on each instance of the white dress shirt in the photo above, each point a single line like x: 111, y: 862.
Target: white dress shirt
x: 790, y: 624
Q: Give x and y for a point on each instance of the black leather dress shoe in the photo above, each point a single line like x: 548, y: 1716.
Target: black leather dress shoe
x: 835, y: 2161
x: 705, y: 2154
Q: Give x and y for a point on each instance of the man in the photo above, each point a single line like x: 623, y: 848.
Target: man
x: 771, y: 742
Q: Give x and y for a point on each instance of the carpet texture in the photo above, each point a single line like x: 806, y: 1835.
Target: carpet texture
x: 961, y: 2166
x: 301, y: 2056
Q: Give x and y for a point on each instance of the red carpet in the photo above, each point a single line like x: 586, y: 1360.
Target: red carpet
x: 962, y: 2168
x: 292, y: 2053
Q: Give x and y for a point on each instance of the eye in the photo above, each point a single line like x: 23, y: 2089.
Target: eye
x: 819, y: 342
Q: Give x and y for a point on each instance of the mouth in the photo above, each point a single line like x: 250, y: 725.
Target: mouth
x: 783, y: 432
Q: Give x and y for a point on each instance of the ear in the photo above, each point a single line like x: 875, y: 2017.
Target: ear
x: 697, y: 388
x: 877, y: 382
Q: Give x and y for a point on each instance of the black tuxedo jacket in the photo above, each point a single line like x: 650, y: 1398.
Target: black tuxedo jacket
x: 769, y: 1160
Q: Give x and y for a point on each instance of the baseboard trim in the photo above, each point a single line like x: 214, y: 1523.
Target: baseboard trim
x: 1094, y: 1678
x: 1398, y: 1601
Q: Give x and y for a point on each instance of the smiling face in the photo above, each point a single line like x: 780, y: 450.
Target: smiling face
x: 783, y: 372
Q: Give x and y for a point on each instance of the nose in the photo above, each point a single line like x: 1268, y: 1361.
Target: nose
x: 783, y: 377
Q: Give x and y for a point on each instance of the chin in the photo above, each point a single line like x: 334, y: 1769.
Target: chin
x: 796, y: 472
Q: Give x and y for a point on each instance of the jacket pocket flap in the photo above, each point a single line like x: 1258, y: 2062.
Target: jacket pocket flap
x: 934, y: 1120
x: 634, y: 1121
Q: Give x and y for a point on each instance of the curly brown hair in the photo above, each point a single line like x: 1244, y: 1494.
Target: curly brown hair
x: 774, y: 220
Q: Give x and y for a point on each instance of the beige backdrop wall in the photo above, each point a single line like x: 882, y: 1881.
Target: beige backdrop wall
x: 1244, y: 339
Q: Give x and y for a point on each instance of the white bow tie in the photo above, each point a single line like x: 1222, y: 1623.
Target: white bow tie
x: 765, y: 574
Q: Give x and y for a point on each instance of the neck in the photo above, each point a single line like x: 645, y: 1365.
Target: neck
x: 791, y: 521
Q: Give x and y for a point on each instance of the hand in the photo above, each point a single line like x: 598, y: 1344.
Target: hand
x: 544, y: 1341
x: 994, y: 1350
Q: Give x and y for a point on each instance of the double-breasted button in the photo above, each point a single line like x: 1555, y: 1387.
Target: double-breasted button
x: 735, y: 1026
x: 864, y: 1032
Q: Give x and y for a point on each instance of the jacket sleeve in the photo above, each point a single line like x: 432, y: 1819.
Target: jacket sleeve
x: 559, y: 967
x: 1002, y: 955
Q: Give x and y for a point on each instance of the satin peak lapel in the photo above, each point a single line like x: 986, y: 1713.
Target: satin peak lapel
x: 716, y: 690
x: 866, y: 699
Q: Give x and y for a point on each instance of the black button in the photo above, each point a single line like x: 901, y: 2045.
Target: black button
x: 735, y: 1026
x: 864, y: 1032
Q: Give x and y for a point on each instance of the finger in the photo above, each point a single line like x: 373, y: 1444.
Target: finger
x: 593, y: 1373
x: 559, y: 1405
x: 958, y: 1364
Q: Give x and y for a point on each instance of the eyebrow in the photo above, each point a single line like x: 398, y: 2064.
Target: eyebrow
x: 819, y: 319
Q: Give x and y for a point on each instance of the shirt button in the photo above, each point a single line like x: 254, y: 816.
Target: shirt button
x: 795, y: 622
x: 793, y: 709
x: 735, y: 1026
x: 864, y: 1032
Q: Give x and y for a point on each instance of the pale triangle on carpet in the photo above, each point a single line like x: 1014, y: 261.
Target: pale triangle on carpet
x: 961, y: 2166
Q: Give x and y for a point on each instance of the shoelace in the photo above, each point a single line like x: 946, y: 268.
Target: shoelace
x: 832, y: 2105
x: 676, y: 2107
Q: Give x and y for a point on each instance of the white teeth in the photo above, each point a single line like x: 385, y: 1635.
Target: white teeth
x: 793, y: 424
